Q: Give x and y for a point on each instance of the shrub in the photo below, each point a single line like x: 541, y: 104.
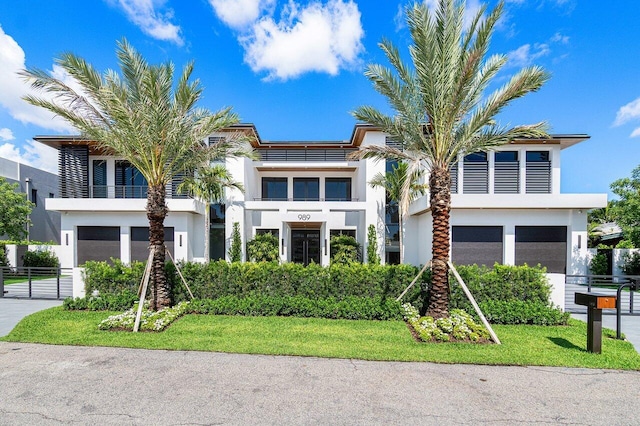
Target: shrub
x: 502, y: 282
x: 40, y: 259
x: 458, y: 325
x: 149, y: 321
x: 235, y: 251
x: 599, y: 264
x: 112, y: 279
x: 523, y: 312
x: 372, y: 246
x: 344, y: 249
x: 105, y: 302
x: 263, y: 248
x: 4, y: 261
x: 631, y: 264
x: 355, y: 308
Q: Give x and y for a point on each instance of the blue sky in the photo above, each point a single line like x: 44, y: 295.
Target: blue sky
x: 295, y: 68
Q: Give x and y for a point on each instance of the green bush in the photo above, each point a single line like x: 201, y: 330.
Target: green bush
x: 351, y: 307
x: 4, y: 261
x: 106, y: 302
x: 344, y: 249
x: 263, y: 248
x: 599, y: 264
x: 235, y: 251
x: 218, y: 279
x: 372, y: 246
x: 631, y: 264
x: 523, y: 312
x: 502, y: 283
x: 40, y: 259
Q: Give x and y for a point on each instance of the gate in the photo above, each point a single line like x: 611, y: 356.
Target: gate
x: 36, y: 283
x: 603, y: 284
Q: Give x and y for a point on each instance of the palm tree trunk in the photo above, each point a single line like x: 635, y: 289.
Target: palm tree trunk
x: 440, y: 202
x: 156, y: 212
x: 400, y: 234
x: 207, y: 232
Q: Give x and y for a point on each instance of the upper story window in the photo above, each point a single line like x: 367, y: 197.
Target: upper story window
x: 506, y: 173
x: 337, y: 189
x: 476, y: 173
x: 274, y: 189
x: 306, y: 189
x: 538, y: 179
x: 99, y: 189
x: 129, y: 181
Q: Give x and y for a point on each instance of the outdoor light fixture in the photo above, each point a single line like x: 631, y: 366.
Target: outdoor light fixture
x: 180, y: 240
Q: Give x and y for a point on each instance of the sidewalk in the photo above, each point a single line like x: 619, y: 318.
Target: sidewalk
x: 630, y: 326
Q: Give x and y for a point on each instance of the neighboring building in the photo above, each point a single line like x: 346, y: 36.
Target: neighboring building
x: 506, y: 205
x: 38, y: 185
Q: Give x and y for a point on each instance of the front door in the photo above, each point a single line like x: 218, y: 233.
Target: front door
x: 306, y: 246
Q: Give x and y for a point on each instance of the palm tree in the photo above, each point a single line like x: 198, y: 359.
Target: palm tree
x: 209, y: 185
x: 441, y: 111
x: 145, y: 117
x: 401, y: 189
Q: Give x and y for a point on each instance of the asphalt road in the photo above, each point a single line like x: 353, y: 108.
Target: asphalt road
x: 51, y: 385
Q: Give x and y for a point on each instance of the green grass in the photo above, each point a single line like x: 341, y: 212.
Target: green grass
x: 369, y: 340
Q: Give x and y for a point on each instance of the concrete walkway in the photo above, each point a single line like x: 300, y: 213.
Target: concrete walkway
x: 50, y: 385
x: 13, y: 310
x: 630, y: 326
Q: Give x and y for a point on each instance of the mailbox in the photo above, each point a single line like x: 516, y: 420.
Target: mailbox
x: 595, y: 303
x: 598, y: 301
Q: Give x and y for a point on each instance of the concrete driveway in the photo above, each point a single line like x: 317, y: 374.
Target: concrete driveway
x: 13, y: 310
x: 48, y: 385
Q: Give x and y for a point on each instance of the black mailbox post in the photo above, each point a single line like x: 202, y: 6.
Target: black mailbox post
x: 595, y: 303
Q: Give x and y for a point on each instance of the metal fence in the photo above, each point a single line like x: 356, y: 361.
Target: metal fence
x: 36, y: 283
x: 603, y: 284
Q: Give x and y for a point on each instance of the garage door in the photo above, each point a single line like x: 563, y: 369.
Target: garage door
x: 98, y: 243
x: 481, y: 245
x: 140, y: 242
x: 544, y: 245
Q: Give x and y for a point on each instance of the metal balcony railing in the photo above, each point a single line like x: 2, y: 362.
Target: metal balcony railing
x: 127, y: 191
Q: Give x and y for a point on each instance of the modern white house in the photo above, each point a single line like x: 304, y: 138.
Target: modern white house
x: 507, y: 206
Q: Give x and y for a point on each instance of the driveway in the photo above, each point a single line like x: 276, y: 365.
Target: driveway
x: 13, y: 310
x: 62, y: 384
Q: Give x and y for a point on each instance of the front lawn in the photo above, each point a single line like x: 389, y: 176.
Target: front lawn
x: 369, y: 340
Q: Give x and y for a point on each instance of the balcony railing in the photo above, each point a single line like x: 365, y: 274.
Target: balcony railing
x: 126, y: 191
x: 305, y: 199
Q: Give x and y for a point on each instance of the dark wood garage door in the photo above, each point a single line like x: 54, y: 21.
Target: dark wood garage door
x: 481, y: 245
x: 140, y: 242
x: 98, y: 243
x: 544, y: 245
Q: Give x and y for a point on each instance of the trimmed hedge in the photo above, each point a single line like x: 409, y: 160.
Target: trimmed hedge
x: 351, y: 307
x: 523, y: 312
x: 106, y: 302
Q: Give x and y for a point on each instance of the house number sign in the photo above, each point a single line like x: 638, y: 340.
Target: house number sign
x: 304, y: 217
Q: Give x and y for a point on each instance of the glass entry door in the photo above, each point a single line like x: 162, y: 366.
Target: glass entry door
x: 306, y: 246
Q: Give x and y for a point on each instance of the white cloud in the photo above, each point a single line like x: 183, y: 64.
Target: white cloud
x: 6, y: 134
x: 525, y: 55
x: 560, y: 38
x: 158, y: 25
x: 629, y: 112
x: 239, y: 14
x: 13, y: 88
x: 399, y: 18
x: 315, y: 37
x: 33, y: 154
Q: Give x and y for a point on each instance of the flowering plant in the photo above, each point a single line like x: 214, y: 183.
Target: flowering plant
x: 459, y: 325
x: 149, y: 321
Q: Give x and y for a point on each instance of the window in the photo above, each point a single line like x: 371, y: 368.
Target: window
x: 99, y: 189
x: 337, y: 189
x: 275, y: 232
x: 507, y: 173
x: 538, y: 172
x: 34, y: 197
x: 481, y: 245
x: 349, y: 232
x: 129, y: 182
x: 476, y: 173
x: 217, y: 213
x: 274, y: 189
x: 306, y: 189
